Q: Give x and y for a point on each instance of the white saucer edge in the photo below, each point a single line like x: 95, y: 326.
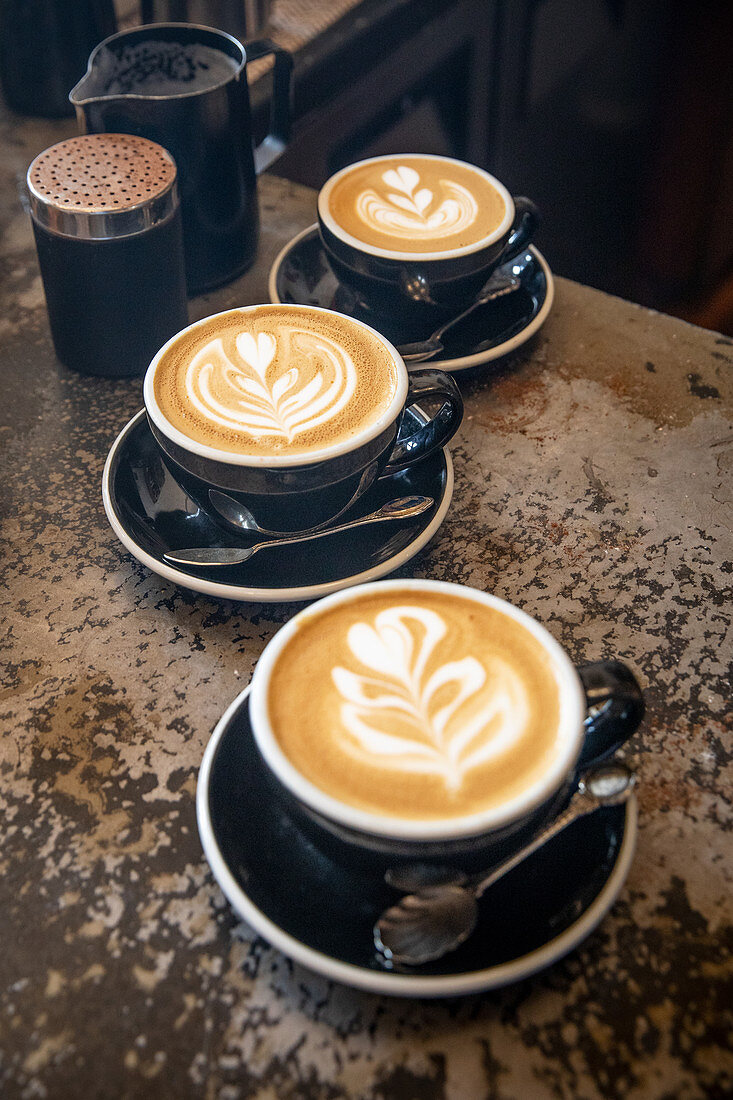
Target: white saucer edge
x: 388, y: 983
x: 267, y: 595
x: 277, y: 262
x: 467, y: 361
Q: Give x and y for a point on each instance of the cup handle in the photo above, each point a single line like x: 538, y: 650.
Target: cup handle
x: 615, y: 709
x: 526, y: 221
x: 272, y: 146
x: 423, y: 384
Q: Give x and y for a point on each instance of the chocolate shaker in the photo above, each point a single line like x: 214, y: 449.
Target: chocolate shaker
x: 107, y: 225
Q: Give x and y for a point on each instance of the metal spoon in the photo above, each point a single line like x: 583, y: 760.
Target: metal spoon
x: 238, y: 515
x: 428, y: 924
x: 422, y: 350
x: 401, y: 508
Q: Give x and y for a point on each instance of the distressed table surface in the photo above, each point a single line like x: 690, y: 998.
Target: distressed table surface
x: 593, y: 488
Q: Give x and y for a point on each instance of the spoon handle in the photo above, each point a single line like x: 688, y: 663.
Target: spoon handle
x: 496, y: 288
x: 583, y: 802
x: 401, y: 508
x: 426, y: 349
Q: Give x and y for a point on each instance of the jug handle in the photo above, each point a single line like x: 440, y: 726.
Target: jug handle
x: 272, y: 146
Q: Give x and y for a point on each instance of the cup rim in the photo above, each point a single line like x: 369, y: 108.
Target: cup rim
x: 572, y: 716
x: 343, y: 235
x: 305, y: 458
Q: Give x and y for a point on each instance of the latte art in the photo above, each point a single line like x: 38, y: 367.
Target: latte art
x: 418, y: 705
x: 446, y: 723
x: 414, y: 204
x: 249, y: 391
x: 405, y: 209
x: 274, y: 380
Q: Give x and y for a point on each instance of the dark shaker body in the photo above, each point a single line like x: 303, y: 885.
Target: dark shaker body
x: 107, y: 225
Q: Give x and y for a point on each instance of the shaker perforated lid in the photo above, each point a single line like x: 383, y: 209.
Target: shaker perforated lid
x: 102, y: 185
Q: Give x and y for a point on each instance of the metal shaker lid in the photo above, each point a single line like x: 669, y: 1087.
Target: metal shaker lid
x: 102, y: 185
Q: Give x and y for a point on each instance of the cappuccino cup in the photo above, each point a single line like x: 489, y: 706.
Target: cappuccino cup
x: 415, y: 232
x: 408, y: 721
x: 295, y: 410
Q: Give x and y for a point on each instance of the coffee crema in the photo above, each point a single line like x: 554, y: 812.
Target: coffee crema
x: 416, y: 704
x: 415, y: 204
x: 275, y: 380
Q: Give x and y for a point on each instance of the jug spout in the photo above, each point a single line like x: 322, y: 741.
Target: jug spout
x: 80, y: 93
x: 96, y: 80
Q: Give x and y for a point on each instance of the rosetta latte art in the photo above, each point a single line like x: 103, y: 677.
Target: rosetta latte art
x: 278, y: 386
x: 405, y: 209
x: 448, y: 722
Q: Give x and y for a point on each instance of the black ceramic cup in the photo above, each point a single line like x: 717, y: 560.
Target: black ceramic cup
x: 296, y: 492
x: 417, y: 283
x: 601, y: 706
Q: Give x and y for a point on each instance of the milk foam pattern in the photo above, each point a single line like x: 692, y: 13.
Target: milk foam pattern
x: 406, y: 209
x: 426, y: 734
x: 279, y: 386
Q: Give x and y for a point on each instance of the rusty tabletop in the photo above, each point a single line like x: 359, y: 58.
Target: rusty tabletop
x: 592, y: 488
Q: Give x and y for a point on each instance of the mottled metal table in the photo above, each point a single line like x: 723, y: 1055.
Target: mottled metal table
x: 593, y: 489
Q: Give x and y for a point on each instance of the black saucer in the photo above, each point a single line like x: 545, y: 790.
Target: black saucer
x: 301, y: 274
x: 150, y: 514
x: 321, y: 914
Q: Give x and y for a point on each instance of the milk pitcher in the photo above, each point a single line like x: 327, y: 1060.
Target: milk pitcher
x: 185, y: 87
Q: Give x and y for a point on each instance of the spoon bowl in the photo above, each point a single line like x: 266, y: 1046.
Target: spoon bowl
x: 426, y: 925
x: 237, y: 515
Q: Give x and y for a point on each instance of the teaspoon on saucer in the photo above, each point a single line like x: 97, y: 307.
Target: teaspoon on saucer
x: 400, y: 508
x: 422, y: 350
x: 434, y: 920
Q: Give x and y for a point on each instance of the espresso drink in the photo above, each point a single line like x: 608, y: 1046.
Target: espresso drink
x: 275, y: 381
x: 418, y: 704
x: 414, y: 204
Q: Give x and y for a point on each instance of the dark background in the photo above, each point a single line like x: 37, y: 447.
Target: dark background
x: 615, y: 116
